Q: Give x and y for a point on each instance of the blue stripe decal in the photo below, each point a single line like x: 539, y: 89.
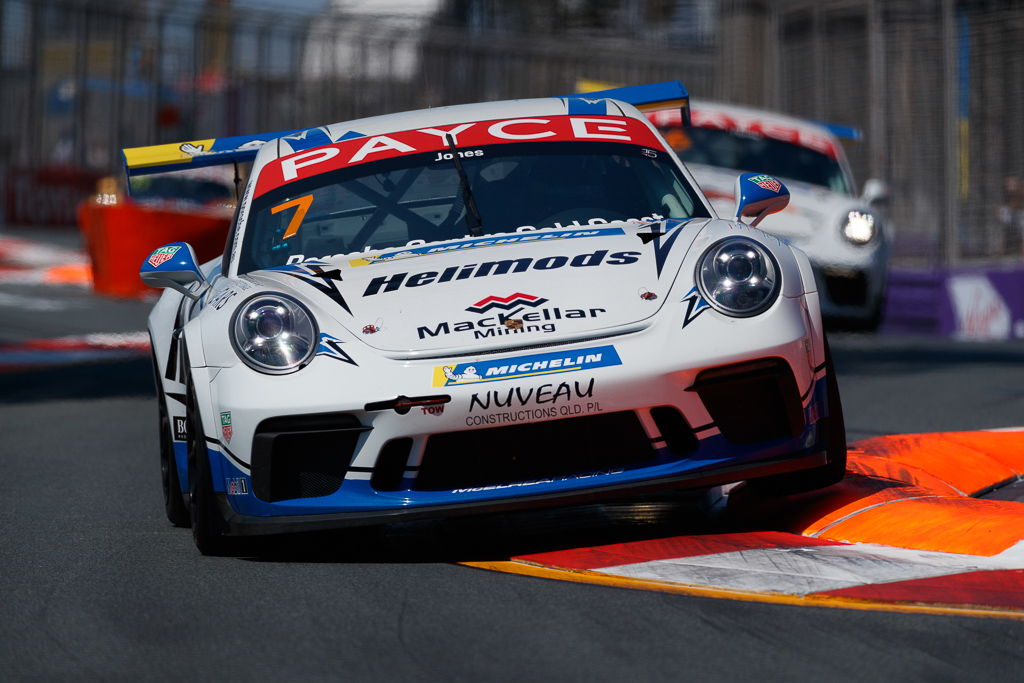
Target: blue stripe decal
x: 181, y: 462
x: 581, y: 106
x: 307, y: 139
x: 477, y: 372
x: 492, y: 241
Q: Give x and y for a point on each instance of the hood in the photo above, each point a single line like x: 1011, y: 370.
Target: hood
x: 497, y: 291
x: 810, y: 206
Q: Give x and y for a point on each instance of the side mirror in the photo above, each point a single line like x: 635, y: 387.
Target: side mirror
x: 758, y: 195
x: 875, y: 192
x: 173, y: 265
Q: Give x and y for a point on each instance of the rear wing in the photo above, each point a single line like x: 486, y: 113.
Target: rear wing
x: 178, y: 156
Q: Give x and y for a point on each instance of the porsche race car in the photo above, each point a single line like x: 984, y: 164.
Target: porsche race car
x: 481, y: 308
x: 843, y: 234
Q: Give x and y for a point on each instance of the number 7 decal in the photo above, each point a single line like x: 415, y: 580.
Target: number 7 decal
x: 301, y: 205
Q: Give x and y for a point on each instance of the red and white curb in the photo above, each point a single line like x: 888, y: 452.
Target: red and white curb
x: 899, y: 533
x: 778, y: 563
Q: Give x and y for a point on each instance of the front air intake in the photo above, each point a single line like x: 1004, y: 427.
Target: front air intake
x: 753, y: 401
x: 498, y: 456
x: 303, y: 456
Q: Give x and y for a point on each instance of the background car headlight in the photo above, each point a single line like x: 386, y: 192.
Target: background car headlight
x: 859, y: 227
x: 274, y: 333
x: 738, y: 277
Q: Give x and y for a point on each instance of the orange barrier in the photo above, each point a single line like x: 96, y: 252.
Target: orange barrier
x: 953, y: 525
x: 968, y: 461
x: 120, y: 236
x: 912, y: 491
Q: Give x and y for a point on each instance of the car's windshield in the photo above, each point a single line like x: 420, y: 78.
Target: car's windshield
x: 393, y: 202
x: 748, y: 152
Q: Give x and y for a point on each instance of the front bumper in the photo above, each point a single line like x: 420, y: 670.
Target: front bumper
x: 249, y: 525
x: 657, y: 368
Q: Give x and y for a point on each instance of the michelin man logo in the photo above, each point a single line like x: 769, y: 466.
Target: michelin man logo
x: 468, y: 375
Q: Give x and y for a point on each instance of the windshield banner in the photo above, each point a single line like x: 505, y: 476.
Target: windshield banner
x: 468, y: 137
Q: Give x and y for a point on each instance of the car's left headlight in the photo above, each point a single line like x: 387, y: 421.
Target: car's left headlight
x: 273, y: 333
x: 860, y: 227
x: 738, y: 277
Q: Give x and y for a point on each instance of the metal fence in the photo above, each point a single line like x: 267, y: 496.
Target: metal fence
x: 936, y: 87
x: 934, y: 84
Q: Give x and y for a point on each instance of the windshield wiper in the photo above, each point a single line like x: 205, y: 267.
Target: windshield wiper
x: 472, y: 213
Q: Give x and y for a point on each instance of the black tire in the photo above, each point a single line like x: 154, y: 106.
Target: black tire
x: 174, y: 501
x: 208, y: 525
x: 835, y: 440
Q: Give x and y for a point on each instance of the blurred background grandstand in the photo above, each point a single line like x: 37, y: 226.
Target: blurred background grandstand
x: 933, y: 84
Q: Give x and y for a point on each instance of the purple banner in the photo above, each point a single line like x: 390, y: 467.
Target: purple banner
x: 967, y: 303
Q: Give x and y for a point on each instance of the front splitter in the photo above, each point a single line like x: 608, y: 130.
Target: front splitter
x: 905, y: 531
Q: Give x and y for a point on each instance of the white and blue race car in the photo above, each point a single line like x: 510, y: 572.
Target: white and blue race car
x: 480, y: 308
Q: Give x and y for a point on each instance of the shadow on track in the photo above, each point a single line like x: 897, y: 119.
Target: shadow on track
x: 493, y: 536
x: 108, y: 379
x: 496, y: 537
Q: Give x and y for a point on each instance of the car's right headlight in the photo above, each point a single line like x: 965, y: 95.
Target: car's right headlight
x: 274, y: 333
x: 860, y: 227
x: 738, y: 277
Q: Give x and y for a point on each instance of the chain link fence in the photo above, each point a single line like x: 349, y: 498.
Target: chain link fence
x: 932, y: 83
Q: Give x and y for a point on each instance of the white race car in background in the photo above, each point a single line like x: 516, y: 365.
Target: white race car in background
x: 481, y: 308
x: 843, y: 234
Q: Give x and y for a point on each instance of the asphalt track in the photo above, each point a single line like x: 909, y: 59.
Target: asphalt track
x: 96, y: 585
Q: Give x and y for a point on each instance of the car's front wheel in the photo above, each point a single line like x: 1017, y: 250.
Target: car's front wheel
x: 174, y: 501
x: 208, y: 526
